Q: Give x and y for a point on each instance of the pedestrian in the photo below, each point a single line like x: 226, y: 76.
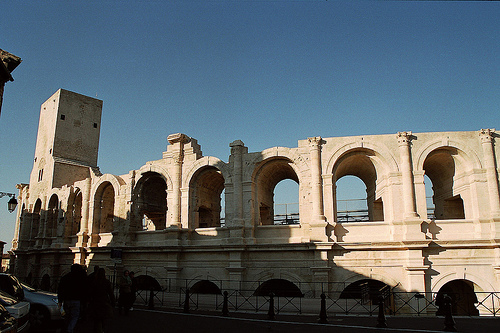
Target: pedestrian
x: 125, y: 297
x: 133, y: 288
x: 102, y: 301
x: 71, y: 294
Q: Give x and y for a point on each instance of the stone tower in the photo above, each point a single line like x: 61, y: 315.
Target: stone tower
x: 67, y: 141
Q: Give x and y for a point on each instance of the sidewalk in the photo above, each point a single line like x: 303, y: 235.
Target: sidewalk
x: 153, y: 321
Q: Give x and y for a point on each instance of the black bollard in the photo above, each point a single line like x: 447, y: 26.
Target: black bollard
x: 186, y: 302
x: 322, y: 312
x: 381, y: 315
x: 270, y: 313
x: 449, y: 322
x: 151, y: 303
x: 225, y: 310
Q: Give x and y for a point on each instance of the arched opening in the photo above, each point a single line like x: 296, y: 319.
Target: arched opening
x: 206, y: 189
x: 366, y: 290
x: 286, y: 202
x: 357, y: 165
x: 152, y: 201
x: 52, y: 213
x: 279, y: 287
x: 73, y: 216
x: 269, y: 175
x: 463, y: 298
x: 440, y: 168
x: 351, y: 200
x: 45, y: 284
x: 104, y: 207
x: 147, y: 282
x: 35, y: 222
x: 205, y: 287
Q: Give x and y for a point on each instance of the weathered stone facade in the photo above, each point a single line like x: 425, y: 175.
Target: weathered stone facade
x: 165, y: 216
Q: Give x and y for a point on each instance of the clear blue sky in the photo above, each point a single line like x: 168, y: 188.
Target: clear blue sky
x: 266, y: 72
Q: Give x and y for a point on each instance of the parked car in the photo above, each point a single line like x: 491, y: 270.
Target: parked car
x: 43, y: 306
x: 18, y: 309
x: 8, y: 323
x: 10, y: 284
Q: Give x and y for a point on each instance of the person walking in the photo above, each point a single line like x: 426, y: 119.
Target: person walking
x: 71, y: 295
x: 125, y: 297
x: 102, y: 301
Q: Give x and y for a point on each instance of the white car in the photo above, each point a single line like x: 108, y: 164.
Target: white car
x: 44, y: 307
x: 18, y: 309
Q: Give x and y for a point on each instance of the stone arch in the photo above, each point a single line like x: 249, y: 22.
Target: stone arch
x: 52, y: 216
x: 73, y: 214
x: 448, y: 168
x: 279, y: 287
x: 367, y: 289
x: 145, y: 169
x: 205, y: 287
x: 369, y: 166
x: 463, y: 298
x: 298, y: 163
x: 382, y: 157
x: 268, y: 173
x: 104, y: 211
x: 150, y: 201
x: 466, y: 154
x: 147, y: 282
x: 481, y: 284
x: 45, y: 282
x: 265, y: 275
x: 115, y: 181
x: 203, y: 162
x: 205, y: 189
x: 35, y: 219
x: 388, y: 280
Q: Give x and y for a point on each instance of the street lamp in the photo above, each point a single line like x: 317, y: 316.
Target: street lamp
x: 11, y: 205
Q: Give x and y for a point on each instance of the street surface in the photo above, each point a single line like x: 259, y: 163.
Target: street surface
x: 156, y: 321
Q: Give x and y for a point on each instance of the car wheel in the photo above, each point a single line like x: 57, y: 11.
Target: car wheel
x: 39, y: 316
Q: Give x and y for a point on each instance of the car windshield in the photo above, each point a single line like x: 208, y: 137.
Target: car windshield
x: 27, y: 287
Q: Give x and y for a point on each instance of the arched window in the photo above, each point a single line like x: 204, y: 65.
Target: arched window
x: 206, y: 189
x: 357, y: 165
x: 286, y: 202
x: 351, y: 200
x: 268, y: 176
x: 151, y: 201
x: 52, y: 213
x: 73, y: 216
x: 440, y: 168
x: 104, y: 207
x: 35, y: 221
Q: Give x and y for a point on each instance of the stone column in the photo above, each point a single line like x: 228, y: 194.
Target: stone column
x: 237, y: 149
x: 318, y: 221
x: 178, y: 140
x: 404, y: 142
x: 486, y: 136
x: 316, y: 179
x: 83, y: 234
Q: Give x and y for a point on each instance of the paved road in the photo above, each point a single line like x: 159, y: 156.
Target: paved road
x: 156, y: 321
